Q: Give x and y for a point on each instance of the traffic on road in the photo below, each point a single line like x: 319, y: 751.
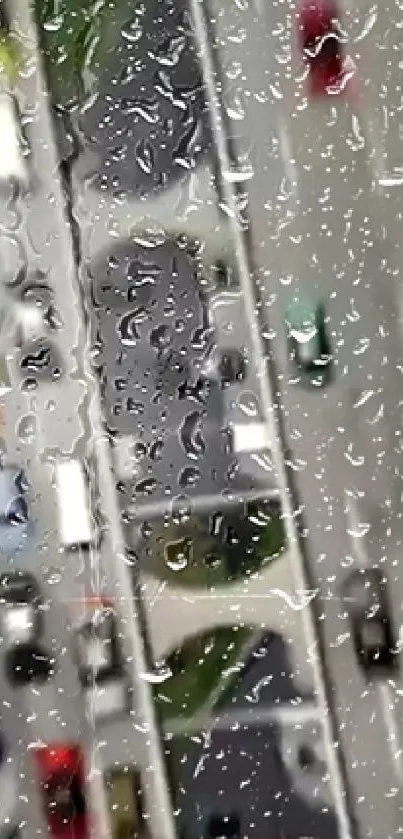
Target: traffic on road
x: 200, y: 478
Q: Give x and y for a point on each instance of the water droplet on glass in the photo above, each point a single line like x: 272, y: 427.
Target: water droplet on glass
x: 27, y: 428
x: 191, y: 435
x: 145, y: 156
x: 177, y: 554
x: 53, y: 576
x: 157, y: 676
x: 189, y: 477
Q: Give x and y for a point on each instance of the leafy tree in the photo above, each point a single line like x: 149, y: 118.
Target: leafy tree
x: 79, y: 39
x: 212, y: 550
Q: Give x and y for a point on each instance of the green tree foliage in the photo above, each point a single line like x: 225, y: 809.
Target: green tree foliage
x: 79, y: 40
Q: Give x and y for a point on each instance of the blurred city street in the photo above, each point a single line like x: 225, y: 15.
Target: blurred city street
x: 143, y: 340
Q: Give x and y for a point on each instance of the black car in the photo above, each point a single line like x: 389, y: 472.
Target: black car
x: 15, y: 525
x: 308, y: 343
x: 224, y: 827
x: 100, y: 662
x: 365, y: 597
x: 22, y: 624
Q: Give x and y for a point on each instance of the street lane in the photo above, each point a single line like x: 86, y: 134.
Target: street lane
x: 316, y: 235
x: 64, y: 407
x: 252, y: 772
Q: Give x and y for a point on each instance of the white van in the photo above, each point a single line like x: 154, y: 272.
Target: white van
x: 73, y: 502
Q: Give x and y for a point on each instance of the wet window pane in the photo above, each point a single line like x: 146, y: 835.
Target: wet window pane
x: 200, y: 212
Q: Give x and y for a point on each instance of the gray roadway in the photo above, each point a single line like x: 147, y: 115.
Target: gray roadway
x: 322, y: 240
x: 102, y: 207
x: 93, y: 211
x: 54, y: 432
x: 305, y: 410
x: 45, y: 247
x: 123, y: 419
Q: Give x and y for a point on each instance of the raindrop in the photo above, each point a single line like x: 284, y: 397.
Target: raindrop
x: 147, y: 110
x: 177, y: 554
x: 159, y: 675
x: 189, y: 477
x: 238, y: 176
x: 145, y: 156
x: 27, y: 428
x: 53, y: 576
x: 147, y: 486
x: 30, y: 383
x: 248, y: 404
x: 169, y: 51
x: 127, y: 330
x: 146, y: 529
x: 216, y: 521
x: 235, y: 108
x: 132, y: 31
x: 161, y: 337
x: 369, y: 24
x: 53, y: 24
x: 191, y: 435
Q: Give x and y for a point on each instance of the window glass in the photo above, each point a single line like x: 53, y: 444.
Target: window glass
x: 201, y: 258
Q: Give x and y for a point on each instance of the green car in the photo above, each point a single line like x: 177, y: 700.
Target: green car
x: 308, y: 343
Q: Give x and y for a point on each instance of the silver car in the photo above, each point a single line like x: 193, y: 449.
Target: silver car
x: 15, y: 526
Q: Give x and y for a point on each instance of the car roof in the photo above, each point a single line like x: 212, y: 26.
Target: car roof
x: 298, y: 315
x: 18, y: 580
x: 315, y: 17
x: 363, y: 585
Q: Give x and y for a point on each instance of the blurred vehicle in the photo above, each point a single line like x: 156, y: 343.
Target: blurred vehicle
x: 125, y: 804
x: 60, y: 771
x: 15, y: 526
x: 13, y: 166
x: 73, y: 503
x: 8, y: 789
x: 232, y: 366
x: 365, y: 598
x: 249, y: 437
x: 100, y: 662
x: 320, y: 43
x: 22, y: 625
x: 308, y: 344
x: 224, y: 827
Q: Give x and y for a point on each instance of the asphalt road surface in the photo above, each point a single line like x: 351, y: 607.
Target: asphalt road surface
x: 47, y: 417
x: 243, y: 771
x: 338, y: 254
x: 316, y: 230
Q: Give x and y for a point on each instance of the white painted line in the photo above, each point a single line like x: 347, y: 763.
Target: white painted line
x: 199, y: 504
x: 252, y: 716
x: 30, y: 324
x: 126, y: 466
x: 250, y: 437
x: 12, y: 163
x: 392, y: 728
x: 356, y: 530
x: 5, y: 381
x: 72, y: 493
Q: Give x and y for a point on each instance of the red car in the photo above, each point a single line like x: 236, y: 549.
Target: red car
x: 60, y: 770
x: 321, y: 46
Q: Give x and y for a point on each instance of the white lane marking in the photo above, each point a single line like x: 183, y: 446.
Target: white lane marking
x: 394, y: 742
x: 199, y: 504
x: 250, y: 437
x: 355, y: 529
x: 12, y: 163
x: 284, y: 714
x: 287, y: 157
